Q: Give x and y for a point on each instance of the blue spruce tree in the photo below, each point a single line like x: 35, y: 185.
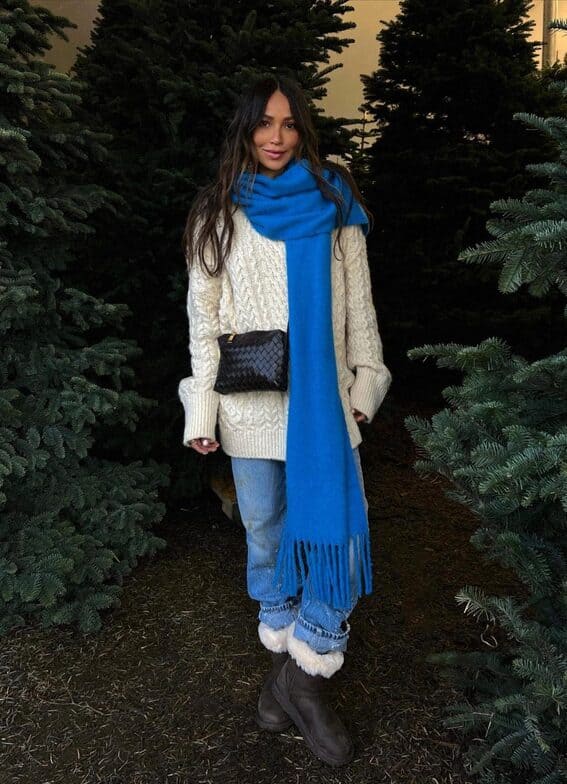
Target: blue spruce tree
x: 502, y: 445
x: 71, y: 524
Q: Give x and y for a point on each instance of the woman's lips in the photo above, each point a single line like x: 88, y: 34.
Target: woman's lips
x: 275, y: 155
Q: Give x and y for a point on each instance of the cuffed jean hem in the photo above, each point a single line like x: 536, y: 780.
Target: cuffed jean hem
x: 321, y: 640
x: 279, y: 615
x: 311, y: 662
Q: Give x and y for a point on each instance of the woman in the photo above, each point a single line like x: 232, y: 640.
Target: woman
x: 278, y: 241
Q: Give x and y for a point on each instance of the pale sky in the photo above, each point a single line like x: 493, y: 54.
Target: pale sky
x: 345, y: 88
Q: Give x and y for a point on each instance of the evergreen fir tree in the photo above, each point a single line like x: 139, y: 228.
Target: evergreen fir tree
x: 502, y: 445
x: 71, y: 525
x: 451, y: 74
x: 162, y: 78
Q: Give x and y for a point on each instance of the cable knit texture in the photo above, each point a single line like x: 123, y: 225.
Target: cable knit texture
x: 251, y: 294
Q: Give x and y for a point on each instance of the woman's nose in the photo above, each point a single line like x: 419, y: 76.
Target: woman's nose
x: 276, y: 135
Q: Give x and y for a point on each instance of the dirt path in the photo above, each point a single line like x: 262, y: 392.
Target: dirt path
x: 165, y: 694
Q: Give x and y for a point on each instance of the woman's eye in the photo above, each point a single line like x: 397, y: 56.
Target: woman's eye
x: 263, y: 124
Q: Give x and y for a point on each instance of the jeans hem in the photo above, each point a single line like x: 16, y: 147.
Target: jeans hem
x: 320, y: 640
x: 279, y: 616
x: 310, y: 660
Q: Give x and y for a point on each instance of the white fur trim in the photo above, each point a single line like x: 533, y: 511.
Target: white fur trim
x: 273, y: 639
x: 313, y: 663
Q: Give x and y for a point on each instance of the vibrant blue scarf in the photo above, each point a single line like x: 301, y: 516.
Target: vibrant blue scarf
x: 326, y: 523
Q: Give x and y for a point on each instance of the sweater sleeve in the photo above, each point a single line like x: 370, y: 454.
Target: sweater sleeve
x: 363, y: 342
x: 199, y: 399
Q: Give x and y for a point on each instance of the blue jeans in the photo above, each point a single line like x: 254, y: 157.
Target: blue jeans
x: 260, y: 490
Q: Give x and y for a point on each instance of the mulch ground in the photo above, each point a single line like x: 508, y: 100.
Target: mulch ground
x: 166, y: 692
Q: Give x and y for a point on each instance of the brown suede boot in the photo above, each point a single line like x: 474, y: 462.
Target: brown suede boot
x: 270, y: 715
x: 301, y: 696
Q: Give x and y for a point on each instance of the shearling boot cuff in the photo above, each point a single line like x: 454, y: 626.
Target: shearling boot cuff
x: 311, y: 662
x: 274, y: 640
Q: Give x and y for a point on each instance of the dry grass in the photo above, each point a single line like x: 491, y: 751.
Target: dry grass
x: 165, y: 694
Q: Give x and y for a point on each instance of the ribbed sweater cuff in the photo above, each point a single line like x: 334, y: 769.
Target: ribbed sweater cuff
x: 201, y: 410
x: 369, y: 389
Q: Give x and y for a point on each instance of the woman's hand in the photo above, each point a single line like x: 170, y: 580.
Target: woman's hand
x: 204, y: 445
x: 359, y: 416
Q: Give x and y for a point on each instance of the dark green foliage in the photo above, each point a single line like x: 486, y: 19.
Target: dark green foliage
x: 71, y: 525
x: 163, y: 77
x: 502, y: 444
x: 451, y: 75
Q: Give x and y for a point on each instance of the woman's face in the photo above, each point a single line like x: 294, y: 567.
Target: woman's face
x: 275, y: 133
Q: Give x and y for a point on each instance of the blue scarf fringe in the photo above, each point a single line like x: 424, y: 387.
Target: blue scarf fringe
x: 328, y: 567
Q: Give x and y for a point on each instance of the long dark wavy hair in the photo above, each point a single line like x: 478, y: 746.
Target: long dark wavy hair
x: 214, y: 201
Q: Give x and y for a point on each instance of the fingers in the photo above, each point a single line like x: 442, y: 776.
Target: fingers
x: 204, y: 445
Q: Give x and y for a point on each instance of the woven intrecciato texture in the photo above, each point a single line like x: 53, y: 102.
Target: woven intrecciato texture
x: 256, y: 360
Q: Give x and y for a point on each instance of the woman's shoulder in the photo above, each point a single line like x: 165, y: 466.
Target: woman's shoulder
x: 242, y: 224
x: 237, y: 216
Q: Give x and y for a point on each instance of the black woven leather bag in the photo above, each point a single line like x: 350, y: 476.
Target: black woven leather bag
x: 250, y: 361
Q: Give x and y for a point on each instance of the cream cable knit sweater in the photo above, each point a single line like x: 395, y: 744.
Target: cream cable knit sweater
x: 250, y: 294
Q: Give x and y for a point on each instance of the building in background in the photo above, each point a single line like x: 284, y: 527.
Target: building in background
x: 345, y: 89
x: 549, y: 51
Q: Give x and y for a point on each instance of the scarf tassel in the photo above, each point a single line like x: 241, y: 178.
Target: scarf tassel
x: 337, y: 573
